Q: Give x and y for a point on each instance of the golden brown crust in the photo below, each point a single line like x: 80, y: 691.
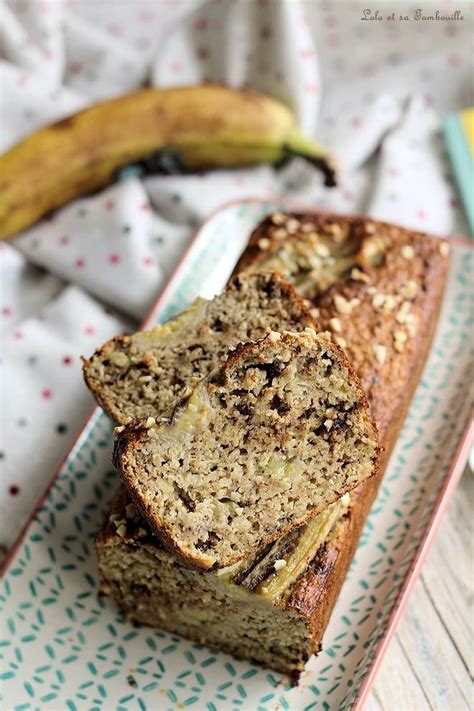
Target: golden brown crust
x: 389, y: 397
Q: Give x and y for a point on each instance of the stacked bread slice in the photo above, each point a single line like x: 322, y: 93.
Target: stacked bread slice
x: 271, y: 437
x: 245, y: 447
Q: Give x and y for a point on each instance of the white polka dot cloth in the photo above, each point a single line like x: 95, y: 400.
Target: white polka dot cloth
x: 374, y: 91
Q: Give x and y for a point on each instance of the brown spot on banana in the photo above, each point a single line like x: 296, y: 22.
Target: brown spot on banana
x: 63, y: 123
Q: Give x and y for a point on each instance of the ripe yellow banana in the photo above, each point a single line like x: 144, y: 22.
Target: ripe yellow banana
x: 161, y: 130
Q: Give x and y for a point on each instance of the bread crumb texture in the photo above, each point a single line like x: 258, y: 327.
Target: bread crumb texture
x: 146, y: 374
x: 266, y: 442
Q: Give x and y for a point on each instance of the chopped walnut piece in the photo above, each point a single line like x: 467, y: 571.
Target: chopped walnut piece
x: 280, y: 233
x: 408, y: 290
x: 399, y: 340
x: 390, y: 302
x: 380, y: 353
x: 407, y: 251
x: 292, y: 225
x: 400, y: 336
x: 326, y: 334
x: 403, y: 313
x: 333, y: 228
x: 274, y: 336
x: 339, y: 238
x: 378, y: 300
x: 335, y: 325
x: 278, y: 218
x: 372, y: 251
x: 340, y: 341
x: 264, y: 243
x: 337, y: 232
x: 343, y: 305
x: 444, y: 249
x: 322, y: 250
x: 308, y: 227
x: 359, y: 275
x: 385, y: 302
x: 315, y: 312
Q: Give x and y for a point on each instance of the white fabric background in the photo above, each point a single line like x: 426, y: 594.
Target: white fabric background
x: 373, y: 91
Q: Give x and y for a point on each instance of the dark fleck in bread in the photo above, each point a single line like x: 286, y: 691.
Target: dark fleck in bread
x: 268, y: 440
x: 147, y: 373
x: 251, y: 610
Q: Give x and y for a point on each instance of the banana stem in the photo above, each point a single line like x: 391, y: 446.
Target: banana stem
x: 298, y: 145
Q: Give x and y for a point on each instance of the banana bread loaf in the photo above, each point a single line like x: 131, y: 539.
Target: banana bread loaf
x: 268, y: 440
x: 398, y: 277
x: 147, y: 373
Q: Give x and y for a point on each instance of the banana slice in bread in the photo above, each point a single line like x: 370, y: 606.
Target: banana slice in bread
x: 263, y: 444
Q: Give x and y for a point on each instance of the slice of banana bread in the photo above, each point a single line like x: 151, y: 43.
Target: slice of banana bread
x: 269, y: 439
x: 253, y: 610
x: 147, y: 373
